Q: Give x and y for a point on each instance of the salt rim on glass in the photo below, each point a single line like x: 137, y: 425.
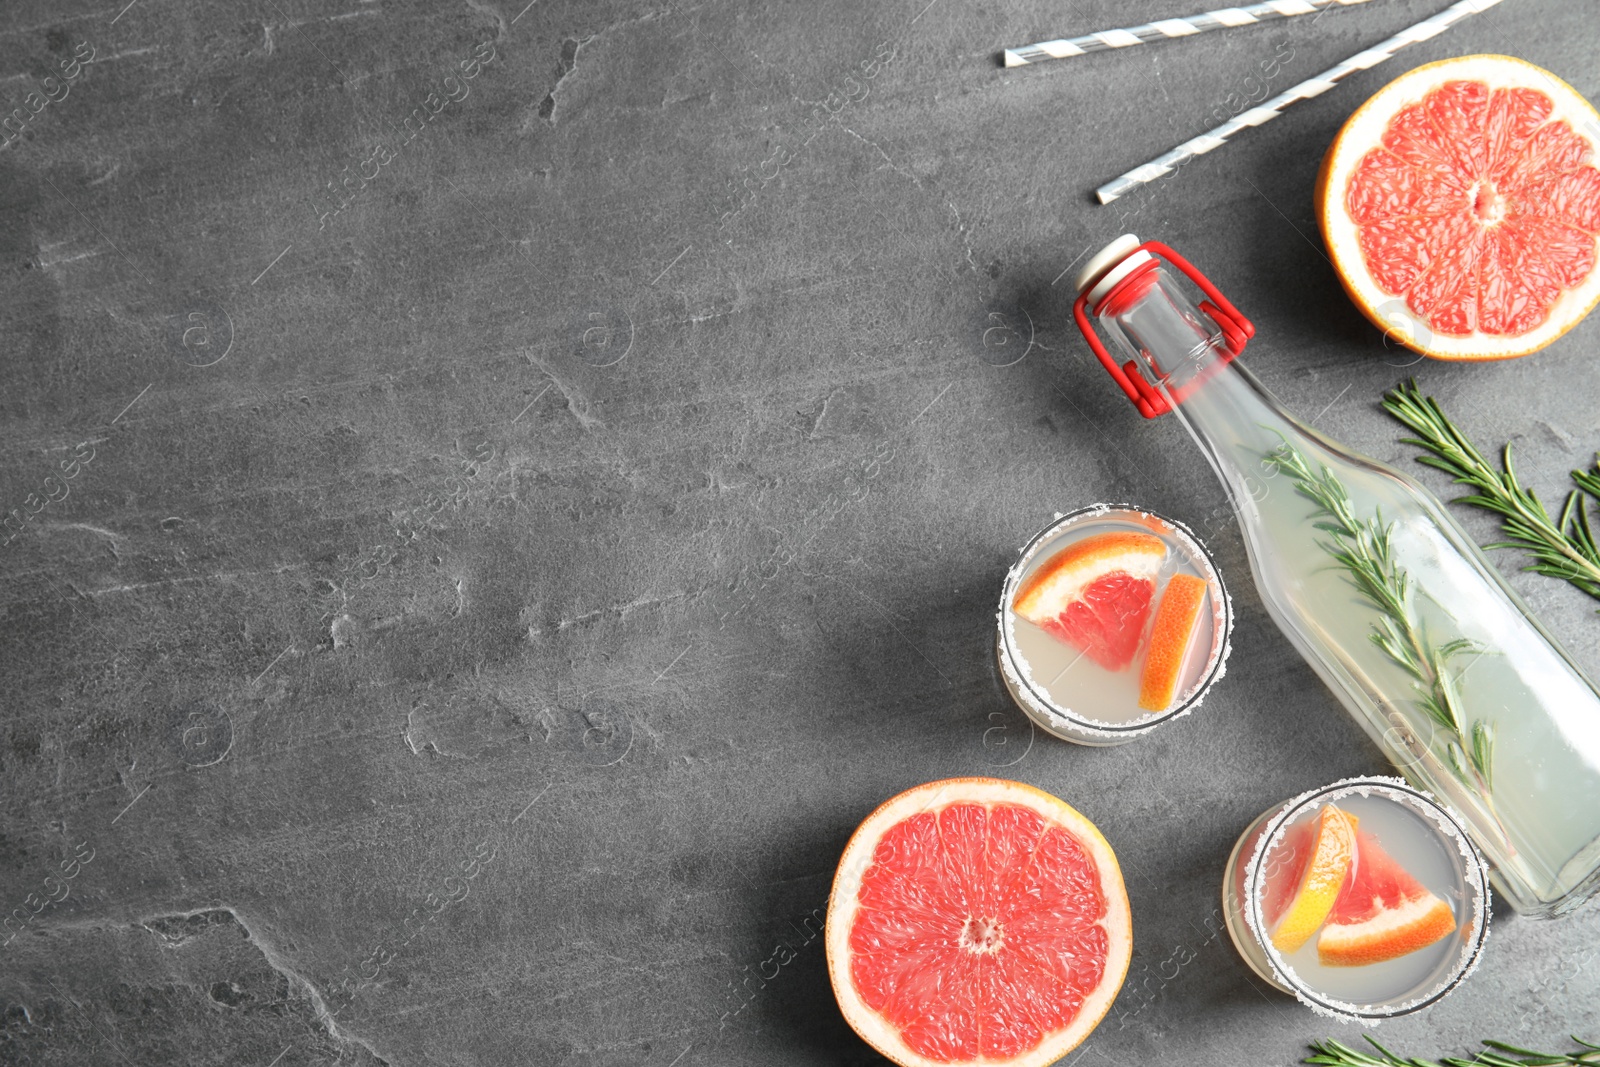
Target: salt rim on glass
x: 1474, y: 877
x: 1042, y: 700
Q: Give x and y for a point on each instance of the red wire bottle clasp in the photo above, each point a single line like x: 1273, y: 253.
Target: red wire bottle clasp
x: 1236, y: 329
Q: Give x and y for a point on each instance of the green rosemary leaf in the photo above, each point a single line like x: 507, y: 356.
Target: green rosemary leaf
x: 1564, y: 549
x: 1581, y: 534
x: 1364, y: 549
x: 1551, y: 570
x: 1336, y: 1054
x: 1449, y: 466
x: 1384, y: 642
x: 1508, y: 477
x: 1438, y: 715
x: 1483, y: 751
x: 1579, y: 519
x: 1488, y: 503
x: 1589, y: 481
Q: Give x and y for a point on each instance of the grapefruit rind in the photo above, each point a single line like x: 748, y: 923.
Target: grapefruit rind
x: 1177, y: 621
x: 843, y: 905
x: 1363, y: 131
x: 1397, y: 932
x: 1383, y: 912
x: 1332, y: 849
x: 1063, y: 577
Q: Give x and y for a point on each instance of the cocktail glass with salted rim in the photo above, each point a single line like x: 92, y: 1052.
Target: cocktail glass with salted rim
x: 1112, y: 621
x: 1364, y: 899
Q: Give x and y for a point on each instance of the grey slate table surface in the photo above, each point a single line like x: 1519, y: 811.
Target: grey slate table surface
x: 499, y: 588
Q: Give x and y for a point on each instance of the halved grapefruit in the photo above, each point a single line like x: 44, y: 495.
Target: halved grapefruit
x: 1095, y: 594
x: 1382, y: 914
x: 1460, y: 207
x: 974, y: 920
x: 1170, y: 636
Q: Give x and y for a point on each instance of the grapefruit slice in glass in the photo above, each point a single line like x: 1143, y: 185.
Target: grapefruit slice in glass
x: 1095, y: 594
x: 975, y: 920
x: 1382, y: 914
x: 1317, y: 872
x: 1460, y: 207
x: 1170, y: 635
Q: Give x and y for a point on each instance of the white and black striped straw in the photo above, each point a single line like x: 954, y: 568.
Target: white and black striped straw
x: 1167, y: 28
x: 1269, y: 109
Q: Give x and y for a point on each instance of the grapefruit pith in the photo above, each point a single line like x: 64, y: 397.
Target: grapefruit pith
x: 1095, y: 594
x: 975, y: 920
x: 1460, y: 206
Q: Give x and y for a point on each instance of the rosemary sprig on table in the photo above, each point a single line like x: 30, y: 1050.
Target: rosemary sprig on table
x: 1564, y: 549
x: 1335, y: 1054
x: 1363, y: 548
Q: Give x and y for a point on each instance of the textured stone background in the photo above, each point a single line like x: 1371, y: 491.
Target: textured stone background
x: 490, y: 606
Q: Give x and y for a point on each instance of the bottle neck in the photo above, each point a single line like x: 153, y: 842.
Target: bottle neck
x: 1182, y: 353
x: 1237, y: 424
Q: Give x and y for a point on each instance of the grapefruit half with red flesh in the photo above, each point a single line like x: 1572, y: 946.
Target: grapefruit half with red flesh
x: 975, y: 920
x: 1382, y: 913
x: 1460, y: 206
x: 1095, y: 594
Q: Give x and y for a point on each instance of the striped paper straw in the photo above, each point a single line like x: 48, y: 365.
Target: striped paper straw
x: 1218, y: 136
x: 1166, y: 28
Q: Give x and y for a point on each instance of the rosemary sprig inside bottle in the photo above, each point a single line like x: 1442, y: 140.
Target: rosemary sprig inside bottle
x: 1564, y: 549
x: 1335, y: 1054
x: 1363, y: 548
